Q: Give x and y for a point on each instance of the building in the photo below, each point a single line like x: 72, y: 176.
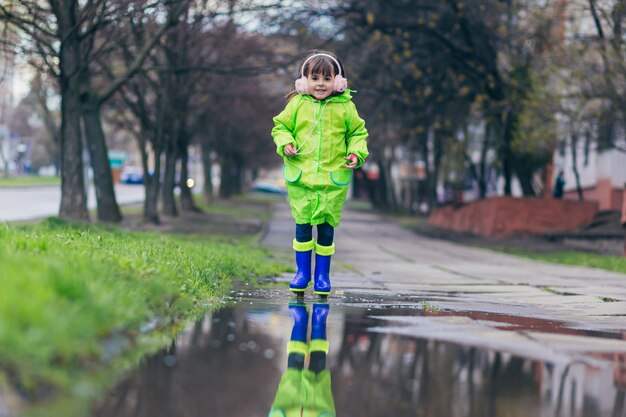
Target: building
x: 599, y: 171
x: 7, y: 73
x: 602, y: 175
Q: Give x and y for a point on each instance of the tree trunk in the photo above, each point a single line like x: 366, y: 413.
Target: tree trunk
x: 108, y: 210
x: 432, y: 173
x: 505, y: 151
x: 150, y: 204
x: 389, y: 194
x: 151, y: 185
x: 208, y: 176
x: 226, y: 168
x: 169, y: 180
x: 525, y: 177
x: 4, y: 158
x: 379, y: 188
x: 73, y: 195
x: 238, y: 173
x: 186, y: 196
x: 482, y: 180
x: 574, y: 150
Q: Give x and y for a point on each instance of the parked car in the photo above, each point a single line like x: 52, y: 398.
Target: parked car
x: 269, y: 185
x: 131, y: 175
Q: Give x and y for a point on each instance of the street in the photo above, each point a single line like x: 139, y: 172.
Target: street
x: 37, y: 202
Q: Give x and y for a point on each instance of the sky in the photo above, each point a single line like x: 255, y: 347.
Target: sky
x: 21, y: 80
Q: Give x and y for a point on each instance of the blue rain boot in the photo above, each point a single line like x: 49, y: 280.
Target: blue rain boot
x: 322, y: 269
x: 319, y: 346
x: 297, y: 341
x: 301, y: 281
x: 318, y: 320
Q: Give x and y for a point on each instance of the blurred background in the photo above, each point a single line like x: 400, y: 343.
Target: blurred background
x: 463, y: 100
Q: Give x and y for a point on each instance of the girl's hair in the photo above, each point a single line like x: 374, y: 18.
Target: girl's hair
x: 318, y: 65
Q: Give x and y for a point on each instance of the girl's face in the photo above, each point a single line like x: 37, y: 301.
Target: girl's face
x: 321, y: 86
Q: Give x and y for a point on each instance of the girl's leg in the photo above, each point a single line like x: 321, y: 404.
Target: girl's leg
x: 303, y: 245
x: 304, y: 232
x: 324, y: 249
x: 319, y: 343
x: 325, y: 234
x: 297, y: 347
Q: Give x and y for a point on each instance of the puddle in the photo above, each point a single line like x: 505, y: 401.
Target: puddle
x: 386, y: 357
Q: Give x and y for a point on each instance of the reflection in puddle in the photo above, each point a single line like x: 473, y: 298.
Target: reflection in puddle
x: 306, y: 392
x: 254, y: 359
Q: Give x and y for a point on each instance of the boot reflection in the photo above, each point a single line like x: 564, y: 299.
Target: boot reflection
x: 306, y: 392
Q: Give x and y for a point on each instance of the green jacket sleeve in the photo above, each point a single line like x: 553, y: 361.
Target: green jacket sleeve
x: 284, y: 125
x: 356, y: 136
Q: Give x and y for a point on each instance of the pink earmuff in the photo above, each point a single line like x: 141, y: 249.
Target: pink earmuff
x: 302, y: 85
x: 340, y: 84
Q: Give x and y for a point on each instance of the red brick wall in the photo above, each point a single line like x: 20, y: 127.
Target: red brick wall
x: 505, y: 216
x: 617, y: 198
x: 624, y: 217
x: 607, y: 196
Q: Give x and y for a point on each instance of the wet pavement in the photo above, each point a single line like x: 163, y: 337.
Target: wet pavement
x: 416, y: 327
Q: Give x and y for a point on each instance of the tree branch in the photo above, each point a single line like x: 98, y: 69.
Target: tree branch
x: 143, y: 53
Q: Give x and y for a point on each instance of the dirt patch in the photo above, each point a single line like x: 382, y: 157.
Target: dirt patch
x: 233, y: 218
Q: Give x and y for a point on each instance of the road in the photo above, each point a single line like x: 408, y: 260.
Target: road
x: 37, y: 202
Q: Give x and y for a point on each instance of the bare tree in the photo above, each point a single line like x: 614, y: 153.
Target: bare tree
x: 66, y: 32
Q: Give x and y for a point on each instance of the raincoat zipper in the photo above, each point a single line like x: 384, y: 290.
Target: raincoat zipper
x: 319, y: 133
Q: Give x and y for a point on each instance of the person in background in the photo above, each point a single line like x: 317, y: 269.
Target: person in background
x: 559, y: 185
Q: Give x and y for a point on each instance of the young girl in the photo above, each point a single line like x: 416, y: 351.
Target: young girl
x: 321, y: 139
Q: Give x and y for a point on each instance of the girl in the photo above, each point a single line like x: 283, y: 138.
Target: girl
x: 321, y: 139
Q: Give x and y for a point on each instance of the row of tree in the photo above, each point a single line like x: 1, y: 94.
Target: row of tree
x: 165, y: 72
x: 533, y: 75
x: 466, y: 87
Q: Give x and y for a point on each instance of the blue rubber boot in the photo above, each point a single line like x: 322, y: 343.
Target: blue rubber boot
x: 297, y: 341
x: 304, y: 252
x: 318, y: 321
x: 300, y: 316
x: 319, y: 346
x: 322, y: 269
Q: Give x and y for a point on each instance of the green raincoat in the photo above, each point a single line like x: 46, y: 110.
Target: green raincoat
x: 303, y: 393
x: 323, y: 132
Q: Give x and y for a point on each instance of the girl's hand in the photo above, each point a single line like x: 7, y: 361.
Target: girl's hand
x: 353, y: 161
x: 290, y: 150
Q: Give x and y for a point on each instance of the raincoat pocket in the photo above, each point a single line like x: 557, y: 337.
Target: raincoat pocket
x: 341, y: 177
x: 291, y: 173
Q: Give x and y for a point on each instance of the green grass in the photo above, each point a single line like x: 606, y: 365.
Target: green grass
x: 29, y: 181
x: 232, y: 211
x: 591, y: 260
x: 68, y: 290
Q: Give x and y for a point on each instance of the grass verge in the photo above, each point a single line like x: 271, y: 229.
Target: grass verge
x: 591, y: 260
x: 79, y: 303
x: 29, y: 181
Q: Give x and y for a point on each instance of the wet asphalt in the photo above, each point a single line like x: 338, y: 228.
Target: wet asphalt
x: 417, y: 327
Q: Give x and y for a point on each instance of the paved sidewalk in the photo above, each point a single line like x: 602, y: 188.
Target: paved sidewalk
x: 376, y: 259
